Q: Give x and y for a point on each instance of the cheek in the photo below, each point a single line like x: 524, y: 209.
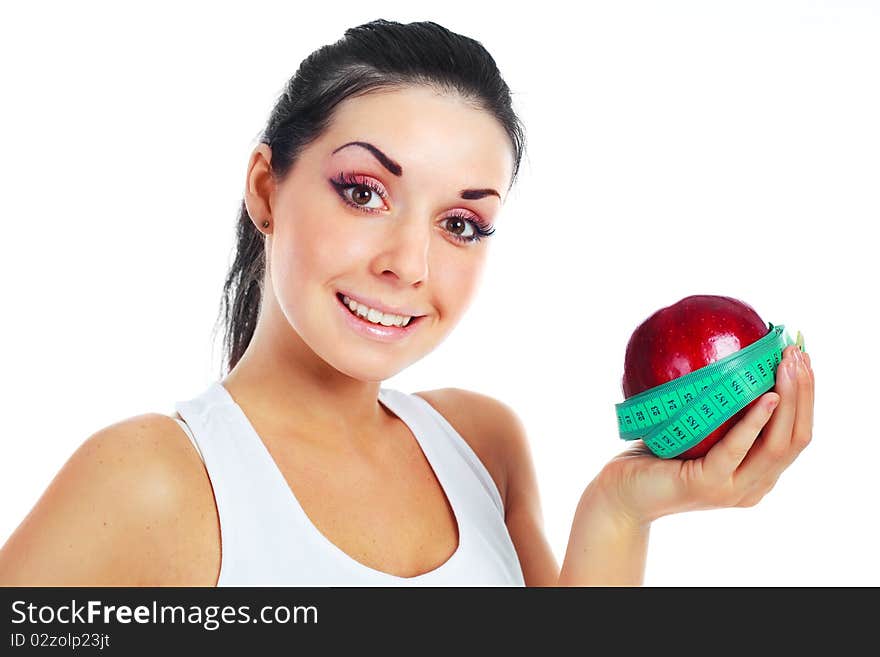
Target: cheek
x: 455, y: 278
x: 303, y: 246
x: 318, y: 244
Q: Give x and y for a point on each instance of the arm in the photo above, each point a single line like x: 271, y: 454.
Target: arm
x: 114, y: 515
x: 609, y: 537
x: 605, y: 547
x: 608, y: 541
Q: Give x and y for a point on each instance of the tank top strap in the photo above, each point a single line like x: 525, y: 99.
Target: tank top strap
x: 443, y: 445
x: 468, y: 485
x: 268, y: 540
x: 249, y: 492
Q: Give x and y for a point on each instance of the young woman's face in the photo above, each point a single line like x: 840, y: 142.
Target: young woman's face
x: 387, y: 208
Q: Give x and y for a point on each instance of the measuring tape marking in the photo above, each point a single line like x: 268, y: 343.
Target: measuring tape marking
x: 674, y: 416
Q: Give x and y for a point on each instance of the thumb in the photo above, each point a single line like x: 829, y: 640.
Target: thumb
x: 724, y: 457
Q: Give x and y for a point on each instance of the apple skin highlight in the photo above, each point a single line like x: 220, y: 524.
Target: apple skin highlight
x: 694, y: 332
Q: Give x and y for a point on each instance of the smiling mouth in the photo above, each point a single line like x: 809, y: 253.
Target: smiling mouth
x: 413, y: 319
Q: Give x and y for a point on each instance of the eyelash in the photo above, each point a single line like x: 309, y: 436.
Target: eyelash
x: 344, y: 182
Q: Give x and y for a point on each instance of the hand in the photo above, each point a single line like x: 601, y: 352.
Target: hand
x: 738, y: 471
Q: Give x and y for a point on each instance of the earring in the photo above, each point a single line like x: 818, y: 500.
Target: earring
x: 266, y: 223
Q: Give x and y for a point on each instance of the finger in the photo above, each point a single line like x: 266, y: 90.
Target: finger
x: 812, y: 381
x: 809, y: 367
x: 765, y: 461
x: 802, y: 432
x: 802, y: 429
x: 724, y: 457
x: 756, y: 495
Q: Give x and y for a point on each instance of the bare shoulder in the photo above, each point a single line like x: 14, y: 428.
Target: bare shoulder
x: 498, y: 436
x: 485, y: 423
x: 130, y: 507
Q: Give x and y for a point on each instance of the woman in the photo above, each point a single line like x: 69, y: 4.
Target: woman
x: 367, y: 216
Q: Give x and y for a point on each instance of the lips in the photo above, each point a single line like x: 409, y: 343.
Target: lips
x: 340, y: 297
x: 377, y: 332
x: 375, y: 304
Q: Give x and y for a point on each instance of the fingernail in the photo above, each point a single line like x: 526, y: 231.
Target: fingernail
x: 790, y: 371
x: 772, y: 404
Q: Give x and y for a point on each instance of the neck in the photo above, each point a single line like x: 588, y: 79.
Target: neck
x: 283, y: 385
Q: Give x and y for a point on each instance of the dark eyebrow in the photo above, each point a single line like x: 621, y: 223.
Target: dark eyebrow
x: 475, y: 194
x: 397, y: 170
x: 384, y: 160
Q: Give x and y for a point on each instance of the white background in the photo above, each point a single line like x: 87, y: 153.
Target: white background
x: 674, y: 148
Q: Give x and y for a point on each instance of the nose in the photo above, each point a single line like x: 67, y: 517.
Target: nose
x: 405, y: 255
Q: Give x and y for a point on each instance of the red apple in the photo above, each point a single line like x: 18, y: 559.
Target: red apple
x: 689, y: 334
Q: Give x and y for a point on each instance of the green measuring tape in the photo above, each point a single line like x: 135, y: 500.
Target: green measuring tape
x: 673, y: 417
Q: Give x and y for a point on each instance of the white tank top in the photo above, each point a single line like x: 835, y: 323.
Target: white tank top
x: 268, y: 540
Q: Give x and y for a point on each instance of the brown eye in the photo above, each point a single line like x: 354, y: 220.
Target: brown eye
x: 458, y: 226
x: 363, y: 197
x: 365, y: 194
x: 361, y: 194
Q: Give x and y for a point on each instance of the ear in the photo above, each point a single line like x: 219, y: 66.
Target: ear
x: 259, y: 187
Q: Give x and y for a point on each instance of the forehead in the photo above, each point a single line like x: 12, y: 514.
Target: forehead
x: 423, y: 129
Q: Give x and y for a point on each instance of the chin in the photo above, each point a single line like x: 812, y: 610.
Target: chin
x: 374, y: 372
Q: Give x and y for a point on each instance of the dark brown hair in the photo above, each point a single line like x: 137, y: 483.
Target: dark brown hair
x: 376, y: 55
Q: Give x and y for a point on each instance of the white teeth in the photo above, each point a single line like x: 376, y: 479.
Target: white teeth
x: 372, y: 315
